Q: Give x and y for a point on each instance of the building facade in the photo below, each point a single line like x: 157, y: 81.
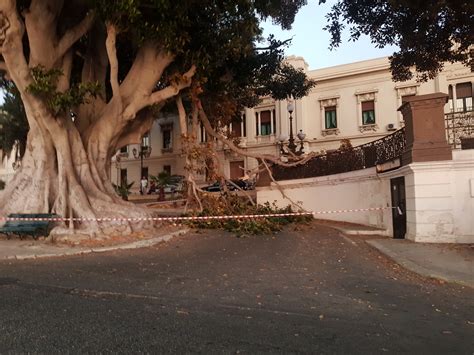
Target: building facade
x: 356, y: 101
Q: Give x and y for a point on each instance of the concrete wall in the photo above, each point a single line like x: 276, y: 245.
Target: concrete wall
x: 353, y: 190
x: 440, y: 199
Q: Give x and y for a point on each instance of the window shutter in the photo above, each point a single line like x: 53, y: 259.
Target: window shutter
x: 265, y: 117
x: 367, y: 106
x: 237, y: 128
x: 463, y: 90
x: 450, y: 91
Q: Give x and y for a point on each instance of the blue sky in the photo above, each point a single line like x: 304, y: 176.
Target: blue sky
x: 311, y: 42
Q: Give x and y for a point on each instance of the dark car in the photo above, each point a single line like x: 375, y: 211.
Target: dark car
x: 243, y: 185
x: 231, y: 185
x: 216, y: 187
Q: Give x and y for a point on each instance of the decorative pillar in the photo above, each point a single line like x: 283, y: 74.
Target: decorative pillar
x: 272, y: 129
x: 425, y: 129
x: 257, y: 115
x: 455, y: 99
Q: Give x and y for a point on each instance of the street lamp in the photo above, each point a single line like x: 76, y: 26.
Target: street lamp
x: 145, y: 151
x: 291, y: 141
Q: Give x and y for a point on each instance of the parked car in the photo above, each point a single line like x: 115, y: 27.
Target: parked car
x: 241, y: 184
x: 215, y: 187
x: 169, y: 189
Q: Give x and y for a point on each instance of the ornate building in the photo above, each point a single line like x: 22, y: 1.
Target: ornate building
x: 356, y: 101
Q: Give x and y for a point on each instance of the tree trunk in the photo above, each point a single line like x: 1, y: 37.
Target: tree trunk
x: 58, y: 176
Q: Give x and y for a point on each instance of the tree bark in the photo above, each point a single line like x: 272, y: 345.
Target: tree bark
x: 66, y: 165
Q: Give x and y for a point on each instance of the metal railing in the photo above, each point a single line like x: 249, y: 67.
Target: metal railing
x: 459, y: 125
x: 349, y: 159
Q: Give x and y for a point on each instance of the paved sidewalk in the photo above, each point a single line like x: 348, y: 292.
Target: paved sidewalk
x: 448, y: 262
x: 31, y: 249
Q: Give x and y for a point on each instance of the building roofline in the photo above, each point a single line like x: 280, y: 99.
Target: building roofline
x: 349, y: 69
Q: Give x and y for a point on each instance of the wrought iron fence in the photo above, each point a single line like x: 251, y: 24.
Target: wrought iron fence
x: 341, y: 161
x: 459, y: 125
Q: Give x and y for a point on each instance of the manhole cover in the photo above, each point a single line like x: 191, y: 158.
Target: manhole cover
x: 7, y: 281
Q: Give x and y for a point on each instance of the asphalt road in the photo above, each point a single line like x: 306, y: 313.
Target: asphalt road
x: 304, y: 291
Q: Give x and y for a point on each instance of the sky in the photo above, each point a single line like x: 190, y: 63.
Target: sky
x: 311, y: 41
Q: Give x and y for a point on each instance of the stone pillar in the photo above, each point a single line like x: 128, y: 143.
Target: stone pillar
x: 425, y: 129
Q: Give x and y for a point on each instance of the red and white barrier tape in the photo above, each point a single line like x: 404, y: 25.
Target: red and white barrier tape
x: 193, y: 218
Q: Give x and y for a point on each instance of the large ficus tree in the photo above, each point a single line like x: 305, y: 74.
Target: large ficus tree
x: 427, y: 33
x: 92, y: 76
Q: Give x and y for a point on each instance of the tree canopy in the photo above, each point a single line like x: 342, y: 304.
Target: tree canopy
x: 428, y: 33
x: 92, y: 75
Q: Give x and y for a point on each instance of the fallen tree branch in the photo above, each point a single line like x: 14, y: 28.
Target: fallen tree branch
x: 281, y: 189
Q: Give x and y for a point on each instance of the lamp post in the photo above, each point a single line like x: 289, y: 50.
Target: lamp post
x: 291, y: 142
x: 145, y: 151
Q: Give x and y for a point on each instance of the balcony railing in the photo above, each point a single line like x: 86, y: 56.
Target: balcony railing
x: 459, y: 125
x: 364, y: 156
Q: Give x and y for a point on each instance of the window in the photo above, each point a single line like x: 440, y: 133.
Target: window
x: 368, y: 113
x: 124, y: 149
x: 167, y: 133
x: 144, y: 172
x: 238, y: 127
x: 265, y: 123
x: 264, y: 118
x: 330, y: 117
x: 464, y: 97
x: 123, y: 176
x: 203, y: 134
x: 167, y: 169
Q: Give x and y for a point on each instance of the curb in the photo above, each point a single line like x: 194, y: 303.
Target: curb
x: 412, y: 266
x: 134, y: 245
x: 349, y: 231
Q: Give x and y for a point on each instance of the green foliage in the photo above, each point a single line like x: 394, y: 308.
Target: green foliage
x: 2, y: 184
x: 13, y: 122
x: 428, y: 33
x: 45, y: 86
x: 289, y: 82
x: 233, y: 204
x: 123, y: 190
x: 162, y: 179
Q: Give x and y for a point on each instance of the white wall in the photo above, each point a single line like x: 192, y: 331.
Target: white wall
x: 440, y: 199
x: 354, y: 190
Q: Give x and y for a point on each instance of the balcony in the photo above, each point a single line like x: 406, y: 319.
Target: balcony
x: 460, y: 129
